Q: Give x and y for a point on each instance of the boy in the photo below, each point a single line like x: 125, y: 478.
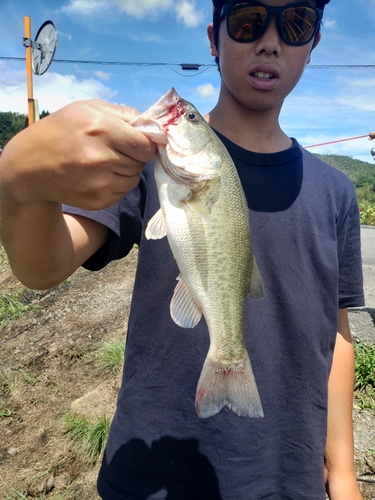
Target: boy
x: 305, y: 234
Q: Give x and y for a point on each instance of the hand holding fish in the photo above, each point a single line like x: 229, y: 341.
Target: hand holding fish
x: 85, y: 155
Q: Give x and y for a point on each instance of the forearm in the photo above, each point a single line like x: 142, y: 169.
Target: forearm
x: 39, y: 254
x: 340, y: 471
x: 44, y: 247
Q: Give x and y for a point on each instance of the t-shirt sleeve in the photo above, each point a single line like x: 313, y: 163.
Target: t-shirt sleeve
x: 124, y: 222
x: 350, y: 260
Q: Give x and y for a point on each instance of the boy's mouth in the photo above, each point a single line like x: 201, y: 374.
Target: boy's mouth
x: 266, y: 76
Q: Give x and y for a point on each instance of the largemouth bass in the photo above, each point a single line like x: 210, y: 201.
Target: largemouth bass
x: 204, y: 215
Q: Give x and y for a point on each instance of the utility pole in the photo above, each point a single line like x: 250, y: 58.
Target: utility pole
x: 29, y: 70
x: 39, y: 55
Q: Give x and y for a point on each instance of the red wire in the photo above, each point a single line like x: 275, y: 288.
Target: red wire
x: 340, y: 140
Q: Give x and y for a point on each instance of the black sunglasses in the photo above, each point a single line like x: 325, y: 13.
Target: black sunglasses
x: 297, y: 23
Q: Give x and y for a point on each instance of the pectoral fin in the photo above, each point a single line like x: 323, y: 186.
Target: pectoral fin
x: 256, y: 290
x: 195, y: 203
x: 184, y: 310
x: 156, y: 227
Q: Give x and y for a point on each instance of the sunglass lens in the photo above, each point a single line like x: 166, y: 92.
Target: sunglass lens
x: 298, y: 24
x: 246, y: 23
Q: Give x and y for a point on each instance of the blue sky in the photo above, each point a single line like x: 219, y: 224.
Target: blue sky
x: 328, y: 104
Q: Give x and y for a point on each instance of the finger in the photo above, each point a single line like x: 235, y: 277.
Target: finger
x: 126, y: 139
x: 133, y: 143
x: 124, y: 113
x: 127, y: 167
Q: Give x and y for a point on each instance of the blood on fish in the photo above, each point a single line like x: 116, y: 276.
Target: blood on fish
x: 174, y: 112
x: 201, y: 393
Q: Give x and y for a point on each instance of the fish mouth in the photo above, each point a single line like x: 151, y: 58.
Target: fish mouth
x: 167, y: 109
x: 162, y: 114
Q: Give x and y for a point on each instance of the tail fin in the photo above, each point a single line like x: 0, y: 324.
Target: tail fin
x: 234, y: 386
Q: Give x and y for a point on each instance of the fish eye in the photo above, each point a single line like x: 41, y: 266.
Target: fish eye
x: 193, y: 117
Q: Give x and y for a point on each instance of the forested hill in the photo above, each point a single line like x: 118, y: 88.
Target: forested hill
x: 11, y: 124
x: 362, y: 174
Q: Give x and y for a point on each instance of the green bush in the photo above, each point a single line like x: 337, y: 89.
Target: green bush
x: 367, y: 213
x: 364, y: 384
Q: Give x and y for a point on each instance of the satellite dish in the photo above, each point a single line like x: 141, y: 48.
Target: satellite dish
x: 44, y: 47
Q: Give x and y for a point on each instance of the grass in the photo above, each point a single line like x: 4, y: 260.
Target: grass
x: 90, y: 438
x: 7, y: 381
x: 10, y: 380
x: 13, y: 305
x: 19, y: 495
x: 29, y: 377
x: 365, y: 375
x: 4, y: 411
x: 3, y: 257
x: 111, y: 356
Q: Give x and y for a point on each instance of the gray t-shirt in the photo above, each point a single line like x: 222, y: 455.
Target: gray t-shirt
x: 305, y: 232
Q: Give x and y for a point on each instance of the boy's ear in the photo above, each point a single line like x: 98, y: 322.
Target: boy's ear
x: 316, y: 42
x: 211, y: 38
x: 317, y: 39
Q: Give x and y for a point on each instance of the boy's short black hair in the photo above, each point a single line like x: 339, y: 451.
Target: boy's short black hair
x: 219, y: 3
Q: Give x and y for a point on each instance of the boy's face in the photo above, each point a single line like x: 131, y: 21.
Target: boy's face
x: 260, y: 74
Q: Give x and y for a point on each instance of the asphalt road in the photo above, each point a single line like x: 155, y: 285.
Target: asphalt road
x: 368, y: 245
x: 362, y: 319
x: 368, y: 261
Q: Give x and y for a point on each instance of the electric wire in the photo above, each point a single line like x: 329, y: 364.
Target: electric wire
x: 196, y: 66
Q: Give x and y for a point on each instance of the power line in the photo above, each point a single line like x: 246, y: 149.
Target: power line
x: 341, y: 66
x: 186, y: 66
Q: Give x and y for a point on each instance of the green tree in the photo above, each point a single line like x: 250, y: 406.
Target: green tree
x: 12, y: 123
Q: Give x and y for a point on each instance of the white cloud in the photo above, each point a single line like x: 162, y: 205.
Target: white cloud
x: 142, y: 8
x: 329, y: 23
x: 330, y: 106
x: 358, y: 103
x: 148, y: 38
x: 52, y: 90
x: 83, y: 7
x: 207, y: 90
x: 187, y: 13
x: 357, y: 93
x: 102, y: 75
x: 65, y: 35
x: 185, y: 10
